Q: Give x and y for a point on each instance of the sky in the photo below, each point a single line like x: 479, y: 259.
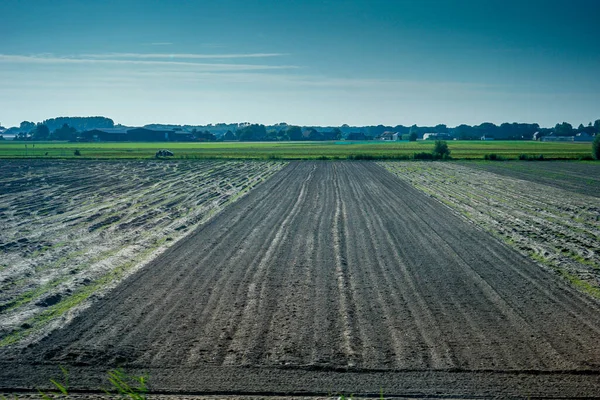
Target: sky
x: 304, y: 62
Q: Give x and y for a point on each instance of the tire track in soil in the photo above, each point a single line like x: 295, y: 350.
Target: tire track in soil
x: 329, y: 266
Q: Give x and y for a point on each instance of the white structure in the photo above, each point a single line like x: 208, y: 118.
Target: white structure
x: 389, y: 136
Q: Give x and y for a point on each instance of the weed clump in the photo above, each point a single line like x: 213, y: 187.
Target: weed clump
x: 527, y: 157
x: 495, y: 157
x: 423, y: 156
x: 122, y: 385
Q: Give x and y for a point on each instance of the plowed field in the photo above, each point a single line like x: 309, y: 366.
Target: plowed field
x: 558, y: 228
x: 71, y: 230
x: 578, y: 177
x: 333, y: 277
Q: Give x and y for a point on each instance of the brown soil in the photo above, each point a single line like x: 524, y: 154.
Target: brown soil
x: 332, y: 277
x: 70, y: 226
x: 578, y: 177
x: 559, y: 229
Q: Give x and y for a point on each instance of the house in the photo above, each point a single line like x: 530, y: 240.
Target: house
x: 132, y: 135
x: 388, y: 136
x: 105, y: 135
x: 584, y: 137
x: 552, y: 138
x: 149, y: 134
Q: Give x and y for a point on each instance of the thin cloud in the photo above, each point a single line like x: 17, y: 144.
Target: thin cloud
x: 161, y: 44
x: 45, y: 59
x: 182, y: 55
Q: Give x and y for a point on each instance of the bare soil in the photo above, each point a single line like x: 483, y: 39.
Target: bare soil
x: 71, y: 230
x: 332, y: 277
x: 559, y: 229
x: 578, y: 177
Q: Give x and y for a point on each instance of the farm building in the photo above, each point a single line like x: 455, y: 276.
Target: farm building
x: 106, y: 135
x: 133, y: 135
x: 552, y: 138
x: 584, y: 137
x: 149, y: 135
x: 389, y: 136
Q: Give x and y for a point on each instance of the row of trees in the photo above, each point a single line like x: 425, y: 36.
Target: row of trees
x: 42, y: 132
x: 256, y: 132
x: 80, y: 124
x: 67, y: 128
x: 566, y: 129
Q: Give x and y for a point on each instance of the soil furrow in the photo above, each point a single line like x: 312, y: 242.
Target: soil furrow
x: 333, y: 273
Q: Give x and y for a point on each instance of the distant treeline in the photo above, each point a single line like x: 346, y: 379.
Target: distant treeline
x: 104, y: 129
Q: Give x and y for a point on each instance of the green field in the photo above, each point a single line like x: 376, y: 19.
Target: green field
x: 291, y: 150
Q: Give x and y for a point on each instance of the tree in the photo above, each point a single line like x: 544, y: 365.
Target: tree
x: 294, y: 133
x: 79, y: 123
x: 356, y: 136
x: 64, y: 133
x: 22, y: 136
x: 26, y: 126
x: 441, y: 128
x: 441, y: 150
x: 597, y: 126
x: 252, y: 132
x: 412, y: 137
x: 312, y: 134
x: 41, y: 132
x: 336, y: 134
x: 596, y: 147
x: 465, y: 132
x: 413, y: 129
x: 564, y: 129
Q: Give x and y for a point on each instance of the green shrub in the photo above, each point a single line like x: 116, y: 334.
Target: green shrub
x: 496, y: 157
x: 441, y: 150
x: 596, y: 147
x: 363, y: 157
x: 423, y: 156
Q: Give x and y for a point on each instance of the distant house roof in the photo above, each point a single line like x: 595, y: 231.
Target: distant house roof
x: 114, y: 131
x: 155, y: 129
x: 387, y: 135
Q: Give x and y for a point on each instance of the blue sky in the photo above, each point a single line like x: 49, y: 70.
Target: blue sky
x: 303, y: 62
